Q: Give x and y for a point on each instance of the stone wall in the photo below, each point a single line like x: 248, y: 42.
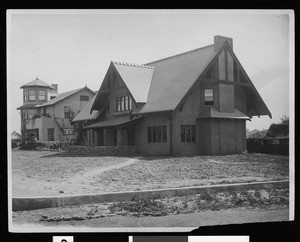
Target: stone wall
x: 101, y: 150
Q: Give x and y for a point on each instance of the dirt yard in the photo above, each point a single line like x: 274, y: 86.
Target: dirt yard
x: 37, y: 173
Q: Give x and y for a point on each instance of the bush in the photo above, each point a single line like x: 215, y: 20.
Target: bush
x: 14, y: 144
x: 28, y: 145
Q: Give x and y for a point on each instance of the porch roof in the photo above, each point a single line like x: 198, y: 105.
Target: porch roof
x: 111, y: 123
x: 29, y: 105
x: 210, y: 112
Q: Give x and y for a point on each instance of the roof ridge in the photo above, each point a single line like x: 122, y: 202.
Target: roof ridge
x: 132, y: 64
x: 183, y: 53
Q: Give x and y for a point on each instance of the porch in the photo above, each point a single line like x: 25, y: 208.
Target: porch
x: 116, y: 132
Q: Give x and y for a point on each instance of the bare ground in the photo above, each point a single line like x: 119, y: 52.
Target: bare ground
x: 188, y: 211
x: 38, y: 173
x: 35, y: 173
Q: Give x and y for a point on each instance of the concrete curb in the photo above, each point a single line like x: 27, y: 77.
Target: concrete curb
x: 32, y: 203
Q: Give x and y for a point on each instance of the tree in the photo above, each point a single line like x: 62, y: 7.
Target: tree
x: 284, y: 119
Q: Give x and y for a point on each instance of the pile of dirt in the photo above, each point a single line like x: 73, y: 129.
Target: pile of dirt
x: 205, y: 201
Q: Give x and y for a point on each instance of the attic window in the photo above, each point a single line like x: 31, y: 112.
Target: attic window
x: 124, y: 103
x: 209, y: 96
x: 84, y: 98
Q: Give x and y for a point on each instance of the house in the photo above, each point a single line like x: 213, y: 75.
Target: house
x: 15, y: 139
x: 275, y: 140
x: 195, y: 103
x: 47, y: 114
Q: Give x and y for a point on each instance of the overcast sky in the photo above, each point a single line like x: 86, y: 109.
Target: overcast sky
x: 74, y: 48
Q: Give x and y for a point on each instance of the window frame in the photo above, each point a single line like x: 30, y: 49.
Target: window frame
x: 157, y: 134
x: 206, y: 102
x: 25, y: 95
x: 69, y: 112
x: 42, y: 95
x: 123, y: 103
x: 31, y: 95
x: 84, y: 96
x: 188, y: 133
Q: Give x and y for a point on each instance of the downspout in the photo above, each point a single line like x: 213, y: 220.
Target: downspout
x: 171, y: 134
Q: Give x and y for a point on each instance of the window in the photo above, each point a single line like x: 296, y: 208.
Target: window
x: 208, y: 96
x: 149, y: 132
x: 31, y: 94
x: 42, y: 95
x: 25, y: 95
x: 67, y: 112
x: 157, y: 134
x: 84, y: 98
x: 50, y: 134
x: 31, y: 113
x: 124, y: 103
x: 188, y: 133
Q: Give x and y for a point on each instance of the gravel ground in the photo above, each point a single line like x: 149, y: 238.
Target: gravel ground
x: 37, y: 173
x: 252, y: 200
x: 168, y: 172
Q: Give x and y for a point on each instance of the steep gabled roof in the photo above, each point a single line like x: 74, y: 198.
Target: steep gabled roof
x: 85, y: 114
x: 37, y: 83
x: 174, y: 76
x: 137, y: 78
x: 167, y: 82
x: 63, y: 96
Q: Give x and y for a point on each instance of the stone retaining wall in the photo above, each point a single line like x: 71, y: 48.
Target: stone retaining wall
x: 102, y: 150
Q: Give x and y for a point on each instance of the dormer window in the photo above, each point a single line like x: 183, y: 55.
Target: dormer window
x: 209, y: 96
x: 124, y: 103
x: 42, y: 95
x: 31, y: 95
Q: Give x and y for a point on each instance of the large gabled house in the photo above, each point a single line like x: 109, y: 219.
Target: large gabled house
x: 47, y: 114
x: 195, y: 102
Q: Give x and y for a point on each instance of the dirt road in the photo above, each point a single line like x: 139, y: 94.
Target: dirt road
x: 197, y: 219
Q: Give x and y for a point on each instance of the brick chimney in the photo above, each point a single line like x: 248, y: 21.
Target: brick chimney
x: 219, y: 40
x: 55, y: 86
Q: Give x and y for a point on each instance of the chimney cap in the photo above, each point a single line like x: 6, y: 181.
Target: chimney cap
x: 219, y: 40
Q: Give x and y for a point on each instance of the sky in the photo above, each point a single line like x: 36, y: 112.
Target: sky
x: 73, y: 48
